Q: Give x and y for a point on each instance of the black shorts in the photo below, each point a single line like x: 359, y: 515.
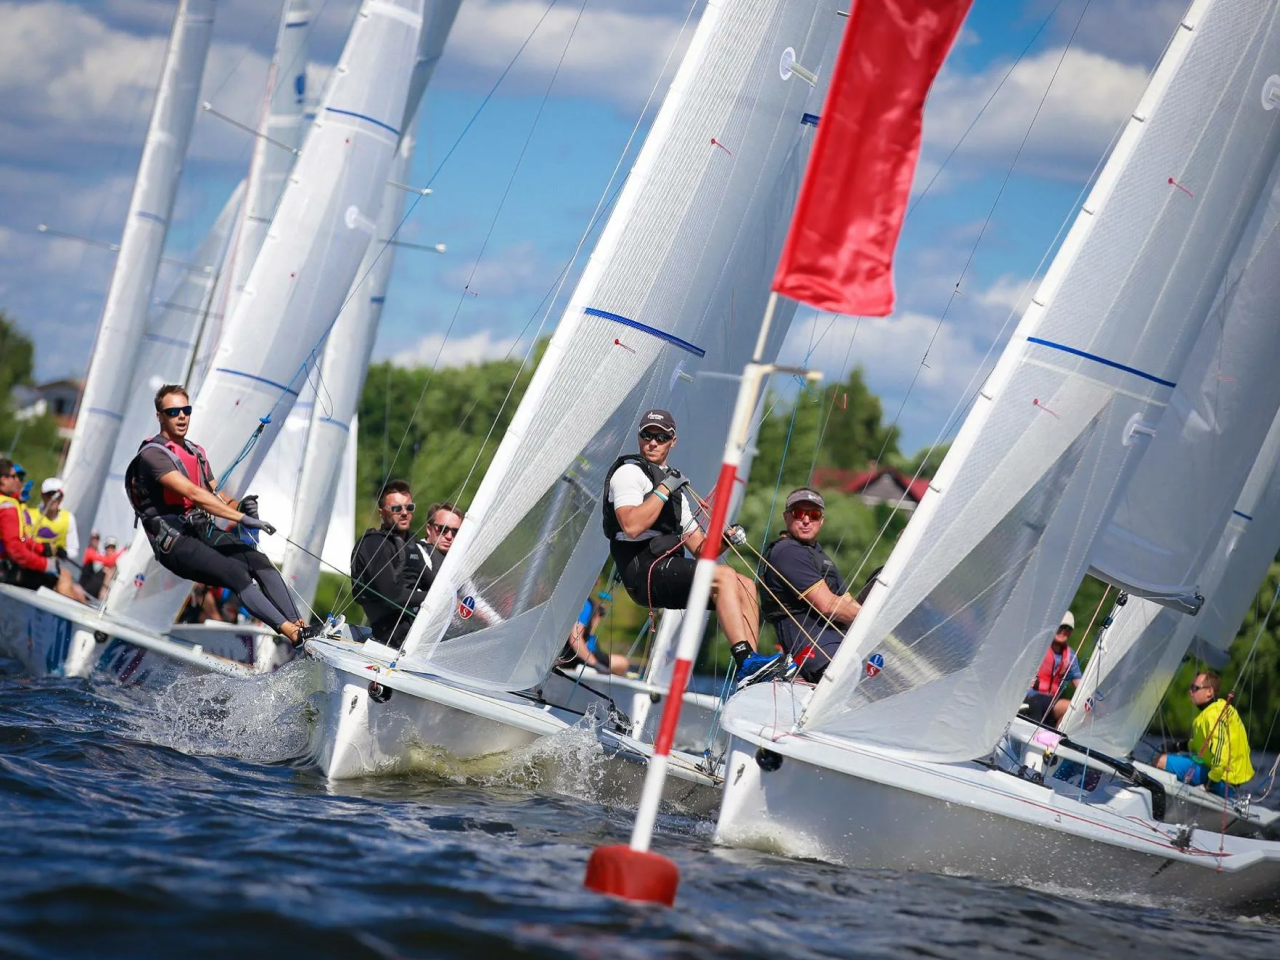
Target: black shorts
x: 661, y: 584
x: 35, y: 579
x: 814, y: 646
x: 1038, y: 705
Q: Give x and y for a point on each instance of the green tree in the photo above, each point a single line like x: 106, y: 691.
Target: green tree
x: 35, y: 442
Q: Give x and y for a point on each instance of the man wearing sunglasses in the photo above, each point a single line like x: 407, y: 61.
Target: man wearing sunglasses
x: 650, y: 525
x: 173, y: 492
x: 1217, y: 755
x: 23, y: 561
x: 389, y: 598
x: 802, y: 592
x: 424, y: 556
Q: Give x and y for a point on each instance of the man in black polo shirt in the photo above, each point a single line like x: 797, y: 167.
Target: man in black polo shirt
x: 801, y: 591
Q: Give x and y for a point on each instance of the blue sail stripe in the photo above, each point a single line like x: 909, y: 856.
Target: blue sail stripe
x: 811, y: 119
x: 149, y: 216
x: 251, y: 376
x: 654, y: 331
x: 1239, y: 514
x: 337, y: 423
x: 1102, y: 360
x: 167, y: 341
x: 377, y: 299
x: 106, y: 413
x: 361, y: 116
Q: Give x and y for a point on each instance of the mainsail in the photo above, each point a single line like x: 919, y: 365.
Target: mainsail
x: 164, y: 356
x: 1136, y: 658
x: 300, y: 280
x: 989, y: 561
x: 671, y: 296
x: 124, y: 316
x: 1167, y: 523
x: 280, y: 132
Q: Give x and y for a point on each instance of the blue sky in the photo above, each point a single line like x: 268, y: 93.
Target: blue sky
x: 77, y: 78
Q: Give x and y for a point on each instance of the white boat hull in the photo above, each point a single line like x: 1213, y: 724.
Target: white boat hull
x: 51, y: 635
x: 861, y: 807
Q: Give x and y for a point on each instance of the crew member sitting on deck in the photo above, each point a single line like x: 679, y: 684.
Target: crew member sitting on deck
x: 802, y: 593
x: 378, y: 564
x: 1044, y: 702
x: 23, y: 561
x: 424, y: 556
x: 1218, y: 754
x: 649, y: 525
x: 582, y: 646
x: 171, y: 487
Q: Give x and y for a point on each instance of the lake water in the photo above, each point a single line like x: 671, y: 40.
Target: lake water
x: 186, y: 825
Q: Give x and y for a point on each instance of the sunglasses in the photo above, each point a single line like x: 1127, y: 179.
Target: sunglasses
x: 806, y: 513
x: 444, y: 529
x: 1198, y: 686
x: 402, y: 507
x: 172, y: 412
x: 657, y: 437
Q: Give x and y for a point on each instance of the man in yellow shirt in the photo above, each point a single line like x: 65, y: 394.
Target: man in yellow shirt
x: 1218, y: 753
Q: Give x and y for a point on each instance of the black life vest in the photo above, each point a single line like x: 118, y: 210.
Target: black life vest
x: 150, y: 499
x: 668, y: 522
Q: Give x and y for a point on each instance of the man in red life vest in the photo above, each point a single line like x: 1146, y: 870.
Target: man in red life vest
x: 1059, y: 666
x: 173, y: 492
x: 23, y: 561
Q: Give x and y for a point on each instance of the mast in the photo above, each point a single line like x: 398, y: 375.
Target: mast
x: 124, y: 316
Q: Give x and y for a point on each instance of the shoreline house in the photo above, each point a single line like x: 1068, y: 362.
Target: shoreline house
x: 875, y: 485
x: 58, y: 398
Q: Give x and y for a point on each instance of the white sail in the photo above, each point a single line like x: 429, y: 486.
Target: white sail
x: 350, y: 345
x: 1137, y: 656
x: 124, y: 316
x: 995, y: 552
x: 280, y: 128
x: 1167, y: 523
x: 673, y: 292
x: 164, y: 356
x: 300, y: 280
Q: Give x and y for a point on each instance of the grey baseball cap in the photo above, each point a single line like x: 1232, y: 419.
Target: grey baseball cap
x: 806, y: 495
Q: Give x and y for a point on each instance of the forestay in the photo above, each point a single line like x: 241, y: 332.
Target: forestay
x: 1168, y: 521
x: 673, y: 292
x: 280, y: 132
x: 124, y: 315
x: 346, y: 359
x: 1136, y: 657
x: 164, y: 356
x: 993, y: 555
x: 300, y: 280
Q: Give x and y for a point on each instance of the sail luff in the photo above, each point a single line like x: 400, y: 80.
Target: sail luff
x: 124, y: 315
x: 995, y: 552
x: 321, y: 230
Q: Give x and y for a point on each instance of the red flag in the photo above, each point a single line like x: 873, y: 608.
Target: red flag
x: 839, y: 253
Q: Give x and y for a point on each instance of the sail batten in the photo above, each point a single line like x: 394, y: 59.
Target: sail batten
x: 1055, y: 437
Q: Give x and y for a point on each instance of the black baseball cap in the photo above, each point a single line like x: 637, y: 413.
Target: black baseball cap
x: 657, y: 418
x: 805, y: 495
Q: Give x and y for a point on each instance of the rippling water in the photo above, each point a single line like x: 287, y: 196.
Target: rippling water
x: 187, y: 826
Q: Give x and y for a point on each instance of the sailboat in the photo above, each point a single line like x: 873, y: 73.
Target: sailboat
x: 298, y: 283
x: 664, y: 305
x: 889, y: 761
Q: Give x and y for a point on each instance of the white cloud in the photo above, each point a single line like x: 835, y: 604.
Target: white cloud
x: 433, y: 351
x: 512, y: 272
x: 1012, y: 294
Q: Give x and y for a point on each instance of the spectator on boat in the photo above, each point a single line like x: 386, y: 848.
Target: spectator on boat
x: 98, y: 567
x: 172, y: 489
x: 649, y: 525
x: 802, y: 593
x: 378, y: 564
x: 54, y: 525
x: 1217, y: 755
x: 583, y: 647
x: 25, y: 562
x: 1044, y: 702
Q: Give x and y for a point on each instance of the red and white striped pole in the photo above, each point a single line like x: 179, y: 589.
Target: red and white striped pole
x: 634, y: 871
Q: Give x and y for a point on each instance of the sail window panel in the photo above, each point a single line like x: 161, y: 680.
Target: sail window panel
x: 1167, y: 525
x: 1124, y: 301
x: 674, y: 290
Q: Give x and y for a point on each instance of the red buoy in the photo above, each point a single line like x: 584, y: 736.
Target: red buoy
x: 632, y: 874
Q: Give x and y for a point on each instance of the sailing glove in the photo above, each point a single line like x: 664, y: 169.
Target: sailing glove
x: 735, y: 534
x: 254, y: 523
x: 674, y: 481
x: 249, y: 505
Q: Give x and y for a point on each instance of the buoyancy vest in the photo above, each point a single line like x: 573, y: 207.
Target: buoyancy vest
x: 52, y: 531
x: 10, y: 503
x: 1048, y: 680
x: 151, y: 500
x: 668, y: 521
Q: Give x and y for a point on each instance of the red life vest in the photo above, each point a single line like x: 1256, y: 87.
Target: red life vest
x: 151, y: 498
x: 1048, y: 680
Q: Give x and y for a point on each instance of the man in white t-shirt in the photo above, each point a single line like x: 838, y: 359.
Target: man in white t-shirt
x: 650, y: 525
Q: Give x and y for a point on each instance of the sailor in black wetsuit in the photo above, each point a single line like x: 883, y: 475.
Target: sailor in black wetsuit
x: 171, y: 487
x: 650, y: 525
x: 378, y: 564
x: 801, y: 591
